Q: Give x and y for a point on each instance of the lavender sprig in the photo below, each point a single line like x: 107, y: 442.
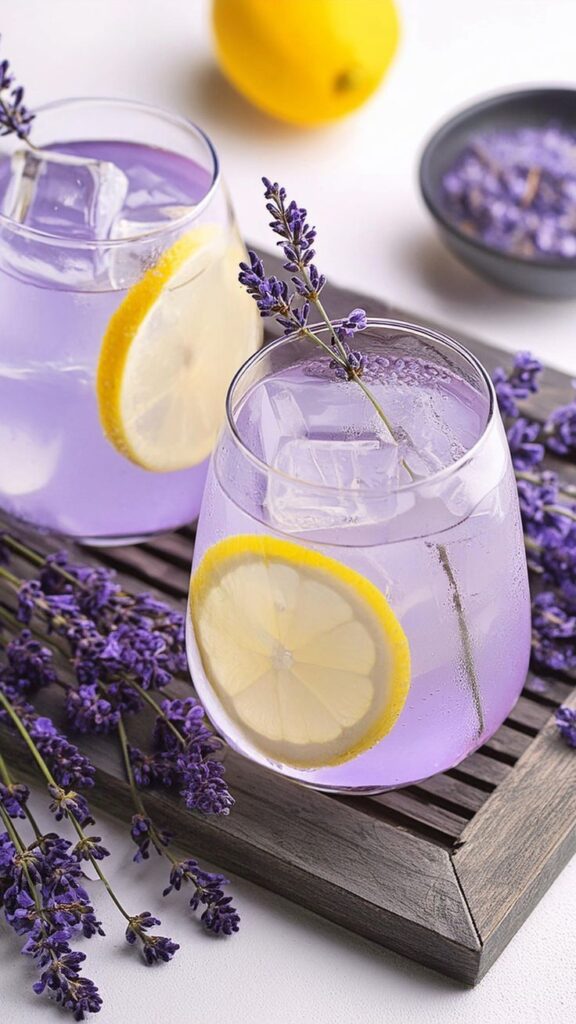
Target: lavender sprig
x: 292, y: 309
x: 73, y: 807
x: 14, y: 115
x: 45, y: 904
x: 218, y: 916
x: 123, y: 649
x: 548, y: 509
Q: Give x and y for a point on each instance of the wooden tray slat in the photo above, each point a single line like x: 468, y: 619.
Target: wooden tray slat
x: 419, y: 811
x: 453, y: 793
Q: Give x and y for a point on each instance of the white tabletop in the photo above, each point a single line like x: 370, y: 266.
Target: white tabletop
x: 358, y: 181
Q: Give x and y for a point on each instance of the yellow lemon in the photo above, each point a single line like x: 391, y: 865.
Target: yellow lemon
x: 304, y: 653
x: 305, y: 61
x: 170, y: 350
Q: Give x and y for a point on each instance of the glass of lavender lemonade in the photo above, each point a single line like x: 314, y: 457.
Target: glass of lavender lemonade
x: 359, y: 607
x: 121, y: 319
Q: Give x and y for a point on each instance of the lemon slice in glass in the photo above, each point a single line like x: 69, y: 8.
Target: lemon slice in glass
x: 170, y: 350
x: 305, y: 654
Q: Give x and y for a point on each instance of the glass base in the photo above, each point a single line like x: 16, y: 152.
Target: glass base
x: 118, y: 542
x: 26, y: 530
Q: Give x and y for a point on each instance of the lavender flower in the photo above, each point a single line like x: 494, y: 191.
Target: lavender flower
x: 525, y: 450
x: 292, y: 309
x: 46, y: 915
x: 199, y: 779
x: 14, y: 116
x: 518, y: 384
x: 143, y: 653
x: 67, y: 763
x: 14, y: 798
x: 63, y: 980
x: 68, y: 803
x: 146, y: 835
x: 89, y: 711
x: 560, y: 429
x: 188, y: 716
x: 203, y: 786
x: 154, y: 947
x: 219, y: 916
x: 89, y: 848
x: 553, y: 632
x: 30, y: 664
x: 566, y: 723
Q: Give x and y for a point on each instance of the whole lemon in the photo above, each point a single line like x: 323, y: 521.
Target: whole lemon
x: 305, y: 61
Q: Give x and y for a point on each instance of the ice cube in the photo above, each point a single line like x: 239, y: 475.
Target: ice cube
x: 135, y: 227
x: 58, y: 193
x: 354, y: 469
x: 126, y: 264
x: 282, y: 421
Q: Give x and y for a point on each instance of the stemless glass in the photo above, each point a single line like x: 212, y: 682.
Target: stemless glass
x: 121, y: 319
x: 319, y: 538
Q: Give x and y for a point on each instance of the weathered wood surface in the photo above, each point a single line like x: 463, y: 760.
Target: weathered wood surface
x: 519, y: 841
x: 444, y: 871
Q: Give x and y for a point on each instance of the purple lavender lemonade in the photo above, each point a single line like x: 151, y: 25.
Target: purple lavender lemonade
x: 121, y: 320
x: 321, y: 538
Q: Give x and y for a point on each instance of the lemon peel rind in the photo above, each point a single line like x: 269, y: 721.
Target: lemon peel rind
x: 121, y: 331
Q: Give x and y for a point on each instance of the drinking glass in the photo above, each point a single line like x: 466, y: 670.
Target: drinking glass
x: 121, y: 319
x: 359, y: 614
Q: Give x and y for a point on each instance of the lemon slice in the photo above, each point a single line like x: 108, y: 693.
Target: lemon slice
x: 305, y: 654
x: 170, y: 350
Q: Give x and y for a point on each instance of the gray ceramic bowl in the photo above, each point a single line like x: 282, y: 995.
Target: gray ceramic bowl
x: 549, y: 278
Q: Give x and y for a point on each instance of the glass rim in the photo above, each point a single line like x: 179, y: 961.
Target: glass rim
x: 413, y: 486
x: 179, y: 121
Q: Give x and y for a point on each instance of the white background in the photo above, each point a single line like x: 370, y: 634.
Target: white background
x: 358, y: 179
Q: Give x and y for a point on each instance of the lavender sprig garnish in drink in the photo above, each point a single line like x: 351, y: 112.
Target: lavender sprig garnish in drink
x: 292, y: 312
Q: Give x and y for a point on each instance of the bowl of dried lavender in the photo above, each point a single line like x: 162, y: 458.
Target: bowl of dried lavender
x: 499, y: 178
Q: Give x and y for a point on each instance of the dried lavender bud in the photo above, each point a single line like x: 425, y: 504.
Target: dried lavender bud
x: 14, y: 798
x: 517, y: 384
x: 219, y: 916
x: 145, y: 835
x: 566, y: 723
x: 89, y: 711
x: 14, y: 116
x: 29, y: 664
x: 525, y: 450
x: 560, y: 429
x: 516, y: 191
x: 154, y: 947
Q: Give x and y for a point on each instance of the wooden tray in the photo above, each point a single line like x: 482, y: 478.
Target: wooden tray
x: 443, y: 872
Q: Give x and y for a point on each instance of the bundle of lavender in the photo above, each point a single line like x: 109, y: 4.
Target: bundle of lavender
x: 548, y: 507
x: 124, y: 651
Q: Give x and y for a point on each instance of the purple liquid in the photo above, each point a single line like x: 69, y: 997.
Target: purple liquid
x: 57, y: 469
x: 313, y: 428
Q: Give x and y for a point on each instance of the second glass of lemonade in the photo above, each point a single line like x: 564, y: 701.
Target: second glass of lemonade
x: 121, y: 319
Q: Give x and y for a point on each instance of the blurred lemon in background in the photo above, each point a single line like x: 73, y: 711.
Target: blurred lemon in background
x: 305, y: 61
